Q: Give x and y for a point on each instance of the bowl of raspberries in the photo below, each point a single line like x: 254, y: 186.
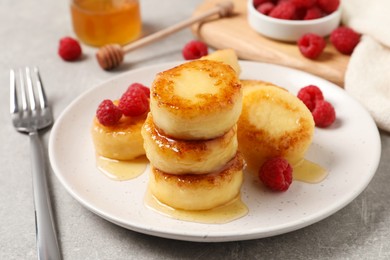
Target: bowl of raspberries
x: 288, y: 20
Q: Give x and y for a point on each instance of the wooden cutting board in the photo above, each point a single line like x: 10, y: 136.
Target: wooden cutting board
x: 235, y: 32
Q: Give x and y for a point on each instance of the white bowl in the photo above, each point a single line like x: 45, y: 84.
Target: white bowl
x: 291, y: 30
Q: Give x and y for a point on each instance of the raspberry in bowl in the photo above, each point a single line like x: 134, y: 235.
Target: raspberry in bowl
x: 290, y: 19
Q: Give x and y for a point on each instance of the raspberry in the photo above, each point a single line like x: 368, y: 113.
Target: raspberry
x: 256, y: 3
x: 107, y: 113
x: 313, y: 13
x: 194, y: 50
x: 310, y: 95
x: 344, y: 39
x: 328, y: 6
x: 281, y: 1
x: 303, y: 3
x: 265, y: 8
x: 133, y: 102
x: 299, y: 13
x: 69, y: 49
x: 284, y: 10
x: 311, y: 45
x: 323, y: 114
x: 296, y: 9
x: 145, y: 89
x: 276, y: 174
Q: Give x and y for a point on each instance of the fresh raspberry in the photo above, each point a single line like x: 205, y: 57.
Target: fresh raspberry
x: 313, y: 13
x: 281, y: 1
x: 303, y: 3
x: 107, y: 113
x: 276, y: 174
x: 323, y: 114
x: 299, y: 13
x: 69, y: 49
x: 310, y: 95
x: 284, y: 10
x: 194, y: 50
x: 344, y: 39
x: 265, y: 8
x: 133, y: 102
x: 311, y: 45
x: 256, y: 3
x: 145, y: 89
x: 328, y: 6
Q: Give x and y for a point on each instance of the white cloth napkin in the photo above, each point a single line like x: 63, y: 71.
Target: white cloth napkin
x: 368, y: 72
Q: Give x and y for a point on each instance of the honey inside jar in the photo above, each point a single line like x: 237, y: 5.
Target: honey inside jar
x: 100, y: 22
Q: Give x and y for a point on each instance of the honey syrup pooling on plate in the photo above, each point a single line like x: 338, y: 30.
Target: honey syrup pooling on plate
x: 232, y: 210
x: 309, y: 172
x: 100, y: 22
x: 122, y: 170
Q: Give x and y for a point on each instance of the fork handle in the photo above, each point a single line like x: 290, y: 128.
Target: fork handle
x: 47, y: 243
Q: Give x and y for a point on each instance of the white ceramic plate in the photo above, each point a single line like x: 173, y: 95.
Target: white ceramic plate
x: 350, y: 150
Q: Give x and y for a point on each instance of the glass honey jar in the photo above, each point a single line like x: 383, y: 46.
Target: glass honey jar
x: 101, y: 22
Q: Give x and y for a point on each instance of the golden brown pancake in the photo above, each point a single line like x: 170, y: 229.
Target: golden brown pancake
x: 122, y: 141
x: 199, y: 99
x: 178, y: 156
x: 198, y: 192
x: 273, y: 123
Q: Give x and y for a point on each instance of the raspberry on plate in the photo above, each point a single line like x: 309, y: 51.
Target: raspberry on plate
x: 276, y: 174
x: 133, y: 102
x: 107, y: 113
x: 324, y: 114
x: 69, y: 49
x: 344, y: 39
x: 194, y: 50
x: 310, y: 95
x: 144, y: 88
x: 311, y: 45
x: 284, y: 10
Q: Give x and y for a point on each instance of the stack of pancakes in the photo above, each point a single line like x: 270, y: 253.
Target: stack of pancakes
x: 190, y: 135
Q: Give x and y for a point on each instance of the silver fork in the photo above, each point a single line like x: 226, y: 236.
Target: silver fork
x: 31, y: 113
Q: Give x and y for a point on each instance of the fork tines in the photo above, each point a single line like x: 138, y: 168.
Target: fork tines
x: 30, y: 89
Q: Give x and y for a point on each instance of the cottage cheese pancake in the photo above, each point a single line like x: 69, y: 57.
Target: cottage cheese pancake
x: 198, y: 191
x: 178, y: 156
x: 273, y: 123
x: 199, y: 99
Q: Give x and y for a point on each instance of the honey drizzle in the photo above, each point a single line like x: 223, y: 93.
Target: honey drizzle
x: 309, y: 172
x: 305, y: 171
x: 122, y: 170
x: 233, y: 210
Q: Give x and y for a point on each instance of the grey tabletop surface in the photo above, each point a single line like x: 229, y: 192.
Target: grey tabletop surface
x: 29, y: 35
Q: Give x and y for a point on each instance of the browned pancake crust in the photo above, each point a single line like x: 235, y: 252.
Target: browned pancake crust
x: 228, y: 89
x: 254, y: 141
x: 180, y: 147
x: 211, y: 180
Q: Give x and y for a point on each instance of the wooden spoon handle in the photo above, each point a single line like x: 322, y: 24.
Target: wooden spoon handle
x: 223, y: 9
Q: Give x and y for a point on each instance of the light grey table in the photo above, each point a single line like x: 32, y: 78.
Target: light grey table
x: 29, y: 34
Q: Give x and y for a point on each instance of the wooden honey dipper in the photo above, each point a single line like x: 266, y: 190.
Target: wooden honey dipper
x: 111, y: 56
